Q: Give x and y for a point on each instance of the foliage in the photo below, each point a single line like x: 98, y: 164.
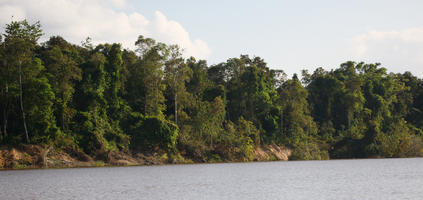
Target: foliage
x: 154, y: 132
x: 102, y: 98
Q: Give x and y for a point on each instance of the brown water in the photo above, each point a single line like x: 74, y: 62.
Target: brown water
x: 336, y: 179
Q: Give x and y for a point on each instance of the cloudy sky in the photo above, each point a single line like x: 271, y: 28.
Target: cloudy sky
x: 289, y: 35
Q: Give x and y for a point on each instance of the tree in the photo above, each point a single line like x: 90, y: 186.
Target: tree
x: 19, y: 45
x: 177, y: 73
x: 108, y: 99
x: 61, y: 60
x: 199, y: 81
x: 323, y: 88
x: 299, y: 129
x: 148, y: 77
x: 381, y: 91
x: 298, y: 123
x: 3, y: 92
x: 113, y: 67
x: 251, y: 94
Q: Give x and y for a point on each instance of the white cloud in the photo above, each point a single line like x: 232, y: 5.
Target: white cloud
x: 397, y: 50
x: 103, y: 21
x: 11, y: 12
x: 121, y: 4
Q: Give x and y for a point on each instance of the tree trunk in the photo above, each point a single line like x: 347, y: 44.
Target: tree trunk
x: 21, y: 102
x: 145, y: 103
x: 1, y: 136
x: 43, y: 156
x: 281, y: 121
x: 6, y: 107
x: 63, y: 120
x: 145, y: 91
x: 63, y: 112
x: 176, y: 109
x: 5, y: 122
x: 4, y: 132
x: 176, y: 102
x: 156, y: 103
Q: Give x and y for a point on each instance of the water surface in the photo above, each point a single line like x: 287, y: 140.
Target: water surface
x: 335, y: 179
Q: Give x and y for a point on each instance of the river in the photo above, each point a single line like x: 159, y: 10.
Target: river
x: 333, y: 179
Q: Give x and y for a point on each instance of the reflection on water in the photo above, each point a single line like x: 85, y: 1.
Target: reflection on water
x: 336, y: 179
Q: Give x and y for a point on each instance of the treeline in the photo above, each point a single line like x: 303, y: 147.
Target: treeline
x: 105, y: 98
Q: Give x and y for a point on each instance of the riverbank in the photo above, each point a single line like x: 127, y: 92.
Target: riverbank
x: 36, y: 156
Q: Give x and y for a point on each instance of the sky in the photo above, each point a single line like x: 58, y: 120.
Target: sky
x: 288, y: 35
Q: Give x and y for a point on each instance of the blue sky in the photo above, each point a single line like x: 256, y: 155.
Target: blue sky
x: 289, y: 35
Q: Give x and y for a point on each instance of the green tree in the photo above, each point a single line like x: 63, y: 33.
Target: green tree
x: 251, y: 94
x: 116, y: 106
x: 61, y: 60
x: 298, y: 122
x: 24, y: 75
x: 146, y: 87
x: 97, y: 127
x: 20, y: 41
x: 177, y: 73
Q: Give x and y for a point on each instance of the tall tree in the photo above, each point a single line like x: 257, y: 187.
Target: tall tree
x: 113, y: 68
x: 3, y: 81
x: 177, y: 73
x: 61, y: 60
x: 96, y: 124
x: 298, y: 123
x: 19, y: 44
x: 252, y: 94
x: 153, y: 56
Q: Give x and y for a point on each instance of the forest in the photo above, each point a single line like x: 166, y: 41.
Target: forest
x: 105, y: 98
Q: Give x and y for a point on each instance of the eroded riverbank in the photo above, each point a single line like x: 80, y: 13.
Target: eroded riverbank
x: 35, y: 156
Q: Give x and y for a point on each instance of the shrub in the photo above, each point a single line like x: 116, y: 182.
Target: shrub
x: 156, y: 132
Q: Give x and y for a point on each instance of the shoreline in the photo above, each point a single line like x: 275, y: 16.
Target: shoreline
x: 157, y: 161
x: 198, y: 163
x: 36, y: 157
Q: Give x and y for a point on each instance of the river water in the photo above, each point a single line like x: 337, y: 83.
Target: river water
x: 334, y: 179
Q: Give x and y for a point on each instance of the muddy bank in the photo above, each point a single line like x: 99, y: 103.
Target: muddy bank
x: 272, y: 152
x: 35, y: 156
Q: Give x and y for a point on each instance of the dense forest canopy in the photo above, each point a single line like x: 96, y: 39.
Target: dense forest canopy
x: 105, y: 98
